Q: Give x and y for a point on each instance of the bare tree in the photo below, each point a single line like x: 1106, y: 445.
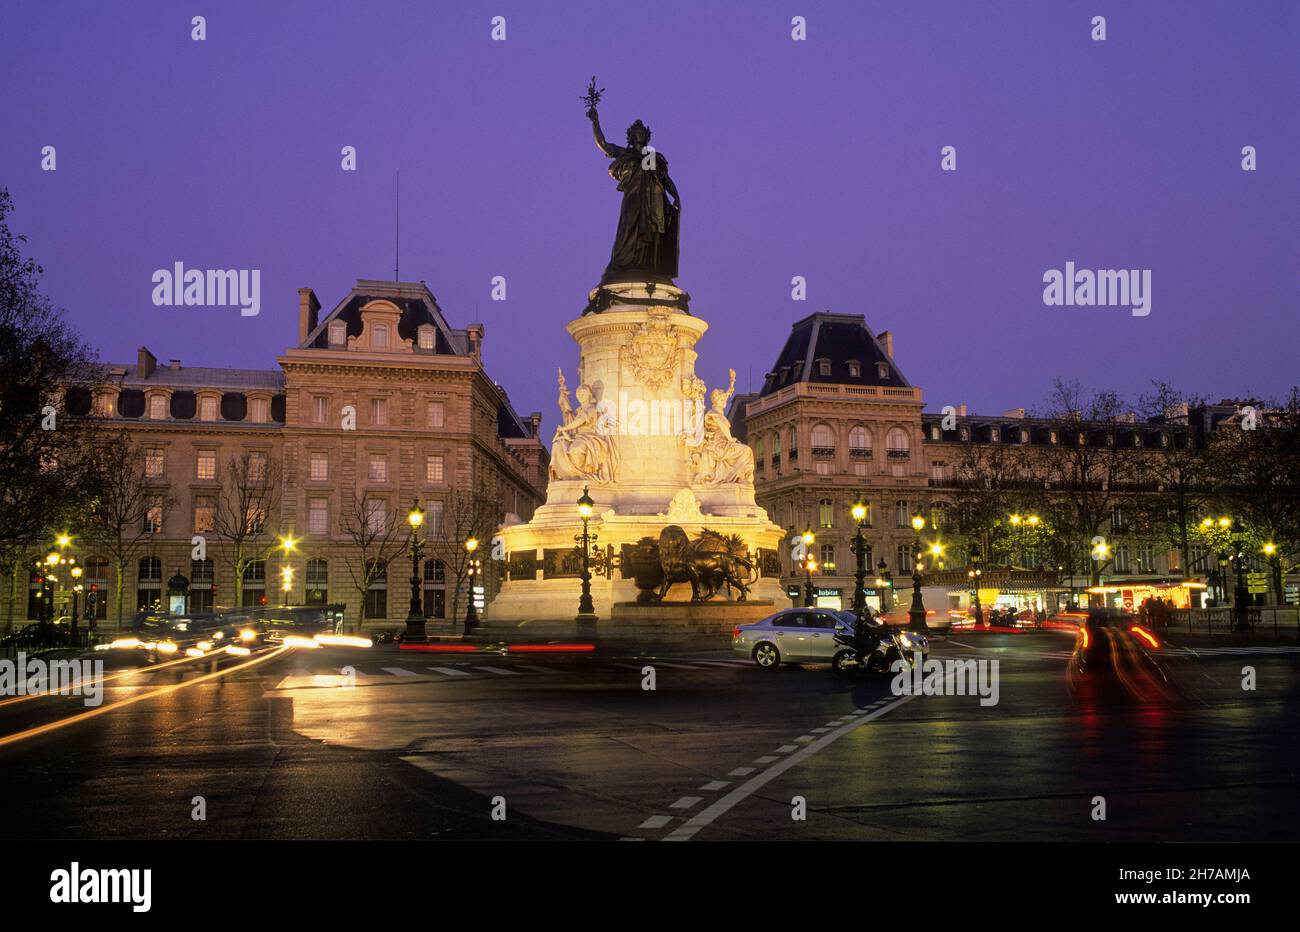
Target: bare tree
x: 466, y: 513
x: 1178, y: 469
x: 247, y: 500
x: 117, y: 521
x: 1086, y: 468
x: 378, y: 535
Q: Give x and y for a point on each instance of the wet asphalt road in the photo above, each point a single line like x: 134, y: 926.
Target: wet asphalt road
x: 425, y: 746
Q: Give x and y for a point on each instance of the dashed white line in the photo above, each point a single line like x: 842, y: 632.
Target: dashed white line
x: 499, y: 671
x: 787, y: 748
x: 714, y: 785
x: 686, y: 802
x: 656, y: 821
x: 535, y: 669
x: 449, y: 671
x: 741, y: 772
x: 398, y: 671
x: 709, y: 814
x: 765, y: 759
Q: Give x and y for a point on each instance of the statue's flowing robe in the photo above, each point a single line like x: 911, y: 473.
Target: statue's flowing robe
x: 645, y: 244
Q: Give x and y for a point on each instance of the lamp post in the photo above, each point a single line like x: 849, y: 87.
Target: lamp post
x: 471, y: 610
x: 809, y: 564
x: 415, y: 632
x: 1100, y: 554
x: 77, y: 572
x: 916, y: 614
x: 586, y: 617
x: 859, y: 548
x: 1275, y: 572
x: 883, y: 584
x: 974, y: 574
x: 1240, y: 612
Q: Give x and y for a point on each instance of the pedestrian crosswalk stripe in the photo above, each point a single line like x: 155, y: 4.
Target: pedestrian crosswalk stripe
x: 499, y: 671
x: 656, y: 821
x: 535, y: 669
x: 450, y: 671
x: 399, y: 671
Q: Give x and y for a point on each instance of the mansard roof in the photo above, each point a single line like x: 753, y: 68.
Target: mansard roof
x: 839, y: 339
x: 413, y: 299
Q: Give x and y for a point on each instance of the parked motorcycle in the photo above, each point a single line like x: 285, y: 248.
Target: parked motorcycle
x: 875, y: 647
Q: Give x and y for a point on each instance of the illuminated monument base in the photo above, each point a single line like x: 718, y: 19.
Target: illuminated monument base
x: 653, y: 449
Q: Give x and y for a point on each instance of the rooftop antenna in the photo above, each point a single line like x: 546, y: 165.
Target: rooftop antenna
x: 397, y: 228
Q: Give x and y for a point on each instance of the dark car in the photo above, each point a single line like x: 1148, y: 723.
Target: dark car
x: 58, y: 633
x: 1114, y: 654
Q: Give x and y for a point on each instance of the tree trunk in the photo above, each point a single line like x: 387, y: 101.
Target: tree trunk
x: 119, y: 574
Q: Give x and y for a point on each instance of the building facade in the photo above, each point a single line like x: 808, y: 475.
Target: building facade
x: 381, y: 405
x: 836, y: 423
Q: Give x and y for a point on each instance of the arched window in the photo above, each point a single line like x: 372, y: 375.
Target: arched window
x: 776, y: 448
x: 860, y: 442
x: 897, y: 442
x: 823, y: 440
x: 317, y: 581
x: 759, y: 458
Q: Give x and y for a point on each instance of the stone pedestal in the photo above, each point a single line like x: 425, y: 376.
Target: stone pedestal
x: 636, y: 370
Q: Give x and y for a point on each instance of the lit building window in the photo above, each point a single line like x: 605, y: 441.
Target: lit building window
x: 206, y: 465
x: 153, y: 463
x: 435, y: 414
x: 259, y: 410
x: 433, y: 468
x: 318, y: 516
x: 378, y: 468
x: 433, y: 518
x: 338, y: 332
x: 379, y: 411
x: 320, y: 409
x: 426, y: 337
x: 157, y: 407
x: 207, y: 408
x: 205, y: 514
x: 826, y: 513
x: 320, y: 467
x: 380, y: 339
x: 257, y: 466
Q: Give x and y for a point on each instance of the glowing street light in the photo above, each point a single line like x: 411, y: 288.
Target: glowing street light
x: 415, y: 632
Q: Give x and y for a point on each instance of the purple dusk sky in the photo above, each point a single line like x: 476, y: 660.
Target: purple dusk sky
x: 816, y: 158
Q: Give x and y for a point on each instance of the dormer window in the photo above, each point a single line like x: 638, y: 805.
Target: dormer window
x: 426, y: 337
x: 338, y: 333
x: 855, y: 369
x: 824, y: 368
x: 379, y: 339
x: 882, y: 370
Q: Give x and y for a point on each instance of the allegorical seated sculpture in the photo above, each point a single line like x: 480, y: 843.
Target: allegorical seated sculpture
x: 719, y: 457
x: 582, y: 447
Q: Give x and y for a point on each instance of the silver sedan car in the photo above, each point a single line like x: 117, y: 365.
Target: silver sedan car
x: 792, y: 635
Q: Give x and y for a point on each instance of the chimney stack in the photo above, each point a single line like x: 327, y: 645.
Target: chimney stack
x: 961, y: 410
x: 474, y: 339
x: 886, y: 341
x: 145, y: 363
x: 535, y: 423
x: 307, y: 308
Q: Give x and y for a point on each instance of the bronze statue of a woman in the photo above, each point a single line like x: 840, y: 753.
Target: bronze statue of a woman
x: 645, y: 244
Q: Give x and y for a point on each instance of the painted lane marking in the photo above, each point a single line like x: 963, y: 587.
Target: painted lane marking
x: 535, y: 669
x: 787, y: 748
x: 714, y: 785
x: 499, y: 671
x: 710, y: 814
x: 741, y: 772
x: 398, y: 671
x: 804, y: 739
x: 686, y: 802
x: 820, y: 731
x: 656, y: 821
x: 449, y: 671
x: 765, y: 759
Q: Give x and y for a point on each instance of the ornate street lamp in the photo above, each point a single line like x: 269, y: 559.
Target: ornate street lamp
x: 916, y: 614
x: 1275, y: 571
x: 1240, y: 612
x: 1100, y: 554
x: 471, y: 610
x: 586, y: 607
x: 809, y: 564
x: 974, y: 574
x: 415, y: 632
x: 883, y: 584
x: 859, y: 548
